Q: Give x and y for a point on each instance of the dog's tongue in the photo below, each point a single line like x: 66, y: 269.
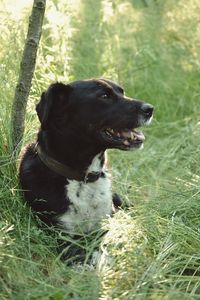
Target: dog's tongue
x: 132, y: 134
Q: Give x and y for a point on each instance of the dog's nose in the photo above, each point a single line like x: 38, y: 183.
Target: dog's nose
x: 147, y: 109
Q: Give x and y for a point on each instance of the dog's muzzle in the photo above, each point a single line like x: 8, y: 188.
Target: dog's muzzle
x: 129, y: 138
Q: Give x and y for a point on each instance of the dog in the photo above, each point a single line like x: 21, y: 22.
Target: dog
x: 63, y: 174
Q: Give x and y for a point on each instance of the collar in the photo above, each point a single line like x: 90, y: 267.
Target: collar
x: 64, y: 170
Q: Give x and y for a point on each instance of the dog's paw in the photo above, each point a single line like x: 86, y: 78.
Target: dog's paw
x: 117, y: 201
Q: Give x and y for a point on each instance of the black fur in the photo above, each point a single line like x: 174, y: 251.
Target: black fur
x: 73, y: 119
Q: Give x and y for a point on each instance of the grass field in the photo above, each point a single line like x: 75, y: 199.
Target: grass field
x: 152, y: 49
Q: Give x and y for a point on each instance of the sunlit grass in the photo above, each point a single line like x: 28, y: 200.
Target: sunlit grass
x: 14, y: 8
x: 152, y: 49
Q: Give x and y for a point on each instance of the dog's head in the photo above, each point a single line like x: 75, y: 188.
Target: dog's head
x: 96, y: 111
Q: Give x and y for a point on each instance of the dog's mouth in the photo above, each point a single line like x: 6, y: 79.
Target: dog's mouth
x: 123, y: 139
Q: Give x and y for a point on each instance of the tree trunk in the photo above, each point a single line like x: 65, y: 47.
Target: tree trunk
x: 27, y: 68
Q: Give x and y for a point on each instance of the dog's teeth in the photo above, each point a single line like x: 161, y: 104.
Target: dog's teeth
x: 132, y: 136
x: 126, y: 143
x: 110, y: 130
x: 108, y: 133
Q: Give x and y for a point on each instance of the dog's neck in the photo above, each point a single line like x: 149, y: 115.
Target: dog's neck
x: 78, y: 155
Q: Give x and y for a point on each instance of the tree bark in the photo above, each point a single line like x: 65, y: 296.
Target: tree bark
x: 27, y: 68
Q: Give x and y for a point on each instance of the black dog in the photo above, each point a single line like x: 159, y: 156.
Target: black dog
x: 63, y: 174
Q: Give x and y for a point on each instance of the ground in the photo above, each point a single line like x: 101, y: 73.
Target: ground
x: 152, y: 49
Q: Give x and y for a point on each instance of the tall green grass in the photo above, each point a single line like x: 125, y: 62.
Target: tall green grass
x: 152, y: 49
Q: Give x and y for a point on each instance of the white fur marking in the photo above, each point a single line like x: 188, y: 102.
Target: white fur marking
x: 91, y: 201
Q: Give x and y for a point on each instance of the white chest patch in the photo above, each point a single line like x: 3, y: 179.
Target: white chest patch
x: 90, y: 202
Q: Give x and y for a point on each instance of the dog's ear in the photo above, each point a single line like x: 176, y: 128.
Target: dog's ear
x: 55, y: 96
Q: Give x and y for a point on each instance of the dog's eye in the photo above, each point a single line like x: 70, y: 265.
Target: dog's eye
x: 105, y: 96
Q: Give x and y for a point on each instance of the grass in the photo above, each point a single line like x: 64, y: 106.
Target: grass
x: 152, y: 49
